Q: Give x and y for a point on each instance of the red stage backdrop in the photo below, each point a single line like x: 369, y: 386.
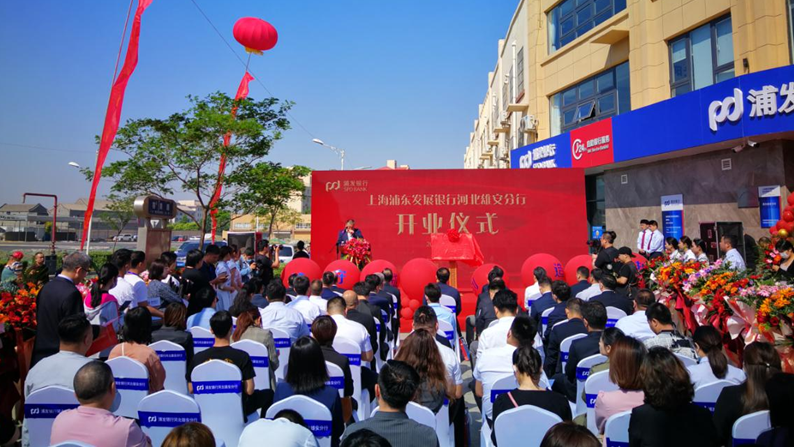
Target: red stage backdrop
x: 513, y: 213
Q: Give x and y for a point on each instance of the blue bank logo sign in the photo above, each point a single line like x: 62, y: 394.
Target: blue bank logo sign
x: 764, y: 103
x: 539, y: 157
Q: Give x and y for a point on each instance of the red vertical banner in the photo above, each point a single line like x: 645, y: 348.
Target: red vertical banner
x: 113, y: 113
x: 242, y: 92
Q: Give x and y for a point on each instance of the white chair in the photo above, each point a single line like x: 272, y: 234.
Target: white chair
x: 592, y: 386
x: 706, y: 395
x: 449, y: 302
x: 42, y: 407
x: 444, y: 430
x: 261, y: 360
x: 538, y: 345
x: 687, y: 361
x: 217, y: 388
x: 283, y: 343
x: 317, y: 416
x: 174, y: 360
x: 71, y: 444
x: 613, y: 315
x: 417, y: 413
x: 132, y: 384
x: 565, y: 348
x: 493, y: 390
x: 544, y: 319
x: 525, y: 426
x: 352, y: 351
x: 378, y: 361
x: 336, y: 378
x: 747, y: 428
x: 160, y: 412
x: 446, y: 330
x: 616, y: 430
x: 582, y: 372
x: 202, y: 339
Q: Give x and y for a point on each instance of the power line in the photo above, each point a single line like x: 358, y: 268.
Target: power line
x: 242, y: 62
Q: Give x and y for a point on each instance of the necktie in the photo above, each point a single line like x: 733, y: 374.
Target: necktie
x: 642, y: 242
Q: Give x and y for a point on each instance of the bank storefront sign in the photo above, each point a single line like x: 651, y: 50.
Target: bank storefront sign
x: 742, y: 107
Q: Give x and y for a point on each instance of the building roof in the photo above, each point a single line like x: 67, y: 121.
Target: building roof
x: 22, y: 207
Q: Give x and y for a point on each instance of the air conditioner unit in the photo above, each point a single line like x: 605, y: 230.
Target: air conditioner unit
x: 529, y: 123
x: 503, y: 119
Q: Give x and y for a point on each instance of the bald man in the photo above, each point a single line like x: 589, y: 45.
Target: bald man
x: 349, y: 329
x: 364, y: 318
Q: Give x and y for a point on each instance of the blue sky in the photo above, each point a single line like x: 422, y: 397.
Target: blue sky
x: 381, y: 79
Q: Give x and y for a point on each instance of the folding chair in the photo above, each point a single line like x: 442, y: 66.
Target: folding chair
x: 202, y: 339
x: 160, y: 412
x: 582, y: 373
x: 317, y: 416
x: 706, y: 395
x: 352, y: 351
x: 747, y: 428
x: 525, y: 426
x: 283, y: 344
x: 261, y: 360
x: 565, y: 347
x: 592, y: 386
x: 174, y: 360
x: 217, y: 388
x: 613, y: 315
x: 42, y: 407
x: 132, y: 384
x: 616, y: 430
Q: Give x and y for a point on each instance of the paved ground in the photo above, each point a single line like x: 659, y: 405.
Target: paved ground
x: 475, y: 417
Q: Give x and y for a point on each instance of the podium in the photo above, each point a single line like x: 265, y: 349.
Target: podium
x: 455, y: 247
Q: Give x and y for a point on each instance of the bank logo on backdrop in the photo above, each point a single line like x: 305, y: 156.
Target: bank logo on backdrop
x: 333, y: 186
x: 592, y: 145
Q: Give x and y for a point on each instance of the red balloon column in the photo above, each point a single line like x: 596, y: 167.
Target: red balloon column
x: 480, y: 277
x: 785, y: 226
x: 301, y: 266
x: 552, y: 265
x: 416, y: 274
x: 378, y: 266
x: 573, y: 265
x: 346, y: 272
x: 255, y: 34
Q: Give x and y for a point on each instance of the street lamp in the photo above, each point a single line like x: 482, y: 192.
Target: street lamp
x: 74, y: 165
x: 90, y: 221
x: 340, y: 152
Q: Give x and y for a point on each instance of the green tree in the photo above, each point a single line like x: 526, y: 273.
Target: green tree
x: 120, y: 213
x: 183, y: 151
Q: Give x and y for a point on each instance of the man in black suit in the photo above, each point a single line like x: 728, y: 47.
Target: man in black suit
x: 595, y: 320
x: 545, y: 301
x: 582, y: 273
x: 58, y: 299
x: 442, y: 275
x: 610, y: 298
x: 377, y: 297
x: 349, y: 232
x: 388, y: 277
x: 561, y: 292
x: 575, y: 325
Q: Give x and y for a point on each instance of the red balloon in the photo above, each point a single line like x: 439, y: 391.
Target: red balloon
x: 789, y: 208
x: 788, y: 226
x: 773, y: 231
x: 788, y: 216
x: 406, y: 324
x: 303, y: 267
x: 406, y: 312
x: 639, y: 260
x: 255, y: 34
x: 414, y: 304
x: 378, y: 266
x: 552, y: 265
x: 346, y: 272
x: 480, y: 277
x: 570, y: 267
x: 416, y: 274
x: 791, y: 199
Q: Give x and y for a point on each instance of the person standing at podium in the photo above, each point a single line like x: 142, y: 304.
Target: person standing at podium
x: 348, y: 233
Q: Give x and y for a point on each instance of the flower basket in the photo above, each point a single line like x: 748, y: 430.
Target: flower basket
x: 357, y: 251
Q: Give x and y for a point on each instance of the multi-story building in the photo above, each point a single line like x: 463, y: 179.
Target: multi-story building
x: 692, y: 99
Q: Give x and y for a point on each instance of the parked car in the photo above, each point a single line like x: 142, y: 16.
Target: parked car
x: 286, y: 253
x: 181, y: 252
x: 124, y: 238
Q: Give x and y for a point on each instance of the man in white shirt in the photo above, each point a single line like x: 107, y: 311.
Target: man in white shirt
x: 278, y: 316
x: 316, y: 298
x: 348, y: 329
x: 506, y: 306
x: 732, y: 255
x: 286, y: 427
x: 130, y: 290
x: 643, y: 238
x: 433, y: 296
x: 533, y: 292
x: 301, y: 302
x: 595, y: 286
x: 656, y: 244
x: 636, y: 324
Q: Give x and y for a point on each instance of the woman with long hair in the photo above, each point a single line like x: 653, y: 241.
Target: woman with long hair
x: 699, y: 250
x: 306, y: 376
x: 685, y: 244
x: 100, y: 306
x: 668, y: 417
x: 240, y: 303
x: 174, y: 329
x: 713, y: 363
x: 528, y: 367
x: 160, y: 294
x: 625, y: 358
x: 225, y: 288
x: 420, y: 351
x: 137, y: 334
x: 249, y: 327
x: 671, y: 249
x: 784, y: 271
x: 761, y: 362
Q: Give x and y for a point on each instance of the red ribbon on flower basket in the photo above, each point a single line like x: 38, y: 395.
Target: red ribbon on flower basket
x: 357, y: 251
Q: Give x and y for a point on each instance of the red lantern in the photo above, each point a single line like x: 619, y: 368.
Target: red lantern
x: 346, y: 272
x: 302, y: 267
x: 552, y: 265
x: 255, y: 34
x: 378, y: 266
x: 416, y: 274
x: 480, y: 277
x: 571, y: 267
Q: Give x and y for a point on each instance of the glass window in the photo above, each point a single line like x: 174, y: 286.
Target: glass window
x: 570, y: 19
x: 702, y: 57
x: 604, y: 95
x: 520, y: 73
x: 596, y: 204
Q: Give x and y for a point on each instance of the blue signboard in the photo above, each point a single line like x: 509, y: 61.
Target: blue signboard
x: 745, y: 106
x: 769, y: 205
x: 596, y: 231
x: 673, y: 216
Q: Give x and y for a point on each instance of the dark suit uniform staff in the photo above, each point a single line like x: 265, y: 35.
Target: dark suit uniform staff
x: 349, y: 232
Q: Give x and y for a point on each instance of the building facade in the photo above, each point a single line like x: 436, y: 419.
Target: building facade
x: 652, y: 98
